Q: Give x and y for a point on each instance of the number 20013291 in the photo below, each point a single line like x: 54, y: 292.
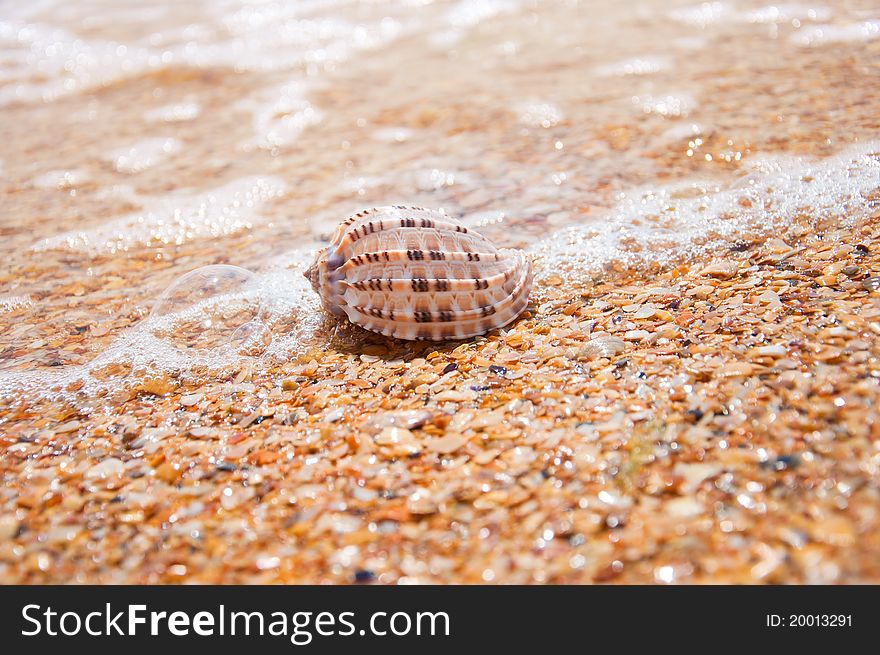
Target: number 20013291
x: 809, y: 620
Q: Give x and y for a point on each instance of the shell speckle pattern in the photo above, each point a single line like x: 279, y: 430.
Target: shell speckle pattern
x: 415, y: 273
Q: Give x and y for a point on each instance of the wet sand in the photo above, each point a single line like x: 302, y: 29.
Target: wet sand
x: 691, y: 396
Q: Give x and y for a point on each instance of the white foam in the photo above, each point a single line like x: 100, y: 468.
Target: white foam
x: 682, y: 130
x: 280, y: 114
x: 816, y: 35
x: 174, y: 113
x: 786, y: 13
x: 670, y: 105
x: 539, y: 114
x: 143, y: 154
x: 709, y: 14
x: 663, y: 225
x: 176, y: 218
x: 10, y: 303
x: 637, y: 66
x: 289, y: 307
x: 60, y: 179
x: 432, y: 179
x: 703, y: 14
x: 393, y: 134
x: 467, y: 13
x: 360, y: 184
x: 45, y: 63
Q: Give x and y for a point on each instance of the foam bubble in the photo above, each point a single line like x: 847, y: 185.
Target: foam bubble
x: 467, y: 13
x: 539, y: 114
x: 637, y: 66
x: 176, y: 218
x: 280, y: 114
x: 483, y: 219
x: 816, y: 35
x: 717, y: 13
x: 681, y: 131
x: 207, y: 308
x: 669, y: 105
x: 143, y: 154
x: 703, y: 14
x: 174, y: 113
x: 45, y: 63
x: 786, y: 13
x: 360, y: 184
x: 393, y: 134
x: 432, y: 179
x: 60, y: 179
x: 663, y: 225
x: 11, y: 303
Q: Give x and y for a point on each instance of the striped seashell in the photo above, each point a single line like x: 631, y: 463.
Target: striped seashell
x: 414, y: 273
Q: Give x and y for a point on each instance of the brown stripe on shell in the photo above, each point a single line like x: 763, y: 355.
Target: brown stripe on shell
x: 432, y: 285
x: 417, y: 256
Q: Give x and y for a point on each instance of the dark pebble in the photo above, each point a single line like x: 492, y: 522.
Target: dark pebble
x: 361, y: 576
x: 450, y: 367
x: 696, y: 413
x: 498, y: 370
x: 480, y: 387
x: 782, y: 463
x: 226, y: 466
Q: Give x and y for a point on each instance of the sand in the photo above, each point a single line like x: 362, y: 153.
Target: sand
x: 690, y: 397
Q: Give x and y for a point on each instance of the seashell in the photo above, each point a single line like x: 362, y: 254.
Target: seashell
x: 414, y: 273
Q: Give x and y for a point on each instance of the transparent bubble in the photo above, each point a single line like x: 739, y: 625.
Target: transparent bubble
x: 212, y: 308
x: 252, y: 338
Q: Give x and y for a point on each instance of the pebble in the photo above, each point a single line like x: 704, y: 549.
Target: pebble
x: 409, y: 419
x: 871, y: 283
x: 70, y: 426
x: 684, y: 507
x: 774, y: 350
x: 602, y: 347
x: 771, y: 298
x: 735, y: 369
x: 110, y: 467
x: 721, y: 270
x: 191, y: 399
x: 400, y: 441
x: 447, y: 444
x: 8, y: 527
x: 646, y: 311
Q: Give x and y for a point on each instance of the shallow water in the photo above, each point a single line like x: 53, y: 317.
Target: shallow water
x: 142, y: 140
